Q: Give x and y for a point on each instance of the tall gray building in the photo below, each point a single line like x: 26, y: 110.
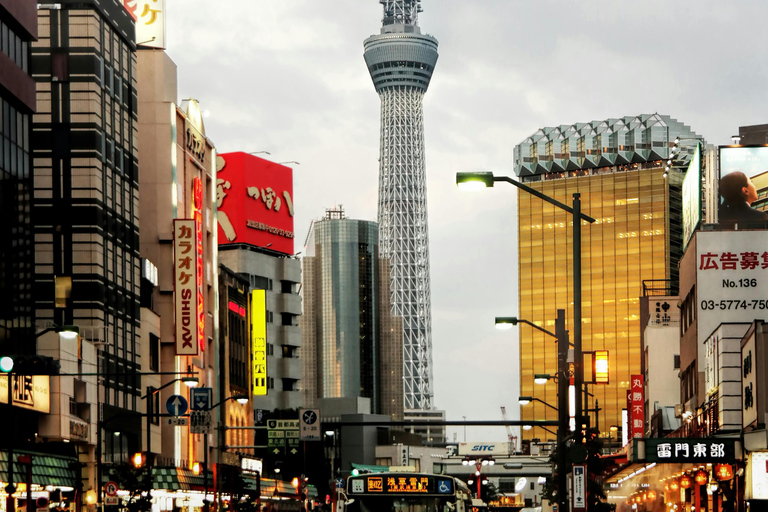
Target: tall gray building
x: 401, y: 60
x: 352, y: 344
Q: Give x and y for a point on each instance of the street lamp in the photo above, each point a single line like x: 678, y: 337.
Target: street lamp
x: 478, y: 180
x: 525, y: 400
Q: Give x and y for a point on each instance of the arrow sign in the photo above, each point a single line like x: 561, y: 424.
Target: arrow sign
x: 200, y: 399
x: 276, y: 451
x: 176, y: 405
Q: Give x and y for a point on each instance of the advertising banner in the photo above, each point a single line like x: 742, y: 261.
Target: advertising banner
x: 197, y: 195
x: 254, y: 198
x: 751, y: 160
x: 29, y: 392
x: 638, y: 407
x: 259, y: 342
x: 692, y: 196
x: 485, y: 449
x: 149, y: 16
x: 731, y: 276
x: 185, y: 289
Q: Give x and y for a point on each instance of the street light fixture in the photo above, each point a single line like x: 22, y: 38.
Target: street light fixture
x: 525, y: 400
x: 543, y: 378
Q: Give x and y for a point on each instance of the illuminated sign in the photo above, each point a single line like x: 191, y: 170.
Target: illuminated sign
x: 254, y: 198
x: 259, y: 342
x: 197, y: 195
x: 149, y: 16
x: 251, y: 465
x: 185, y: 290
x: 637, y: 427
x: 237, y: 308
x: 600, y: 369
x: 676, y: 450
x: 29, y: 392
x: 692, y: 196
x: 723, y: 471
x: 401, y: 483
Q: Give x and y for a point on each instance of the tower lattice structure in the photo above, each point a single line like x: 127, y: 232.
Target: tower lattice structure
x: 401, y: 60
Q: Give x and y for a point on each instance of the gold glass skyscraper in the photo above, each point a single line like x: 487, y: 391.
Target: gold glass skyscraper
x: 637, y: 237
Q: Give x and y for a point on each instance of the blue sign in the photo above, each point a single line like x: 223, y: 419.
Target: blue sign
x: 445, y: 487
x: 339, y: 483
x: 176, y: 405
x: 200, y: 399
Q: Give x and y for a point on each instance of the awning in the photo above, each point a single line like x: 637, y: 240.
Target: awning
x: 47, y: 469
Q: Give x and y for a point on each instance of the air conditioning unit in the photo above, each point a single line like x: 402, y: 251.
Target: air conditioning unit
x: 679, y: 409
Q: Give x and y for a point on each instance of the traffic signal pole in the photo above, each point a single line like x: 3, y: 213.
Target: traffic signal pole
x: 562, y: 409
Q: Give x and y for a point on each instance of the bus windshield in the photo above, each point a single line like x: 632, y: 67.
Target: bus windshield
x: 402, y: 504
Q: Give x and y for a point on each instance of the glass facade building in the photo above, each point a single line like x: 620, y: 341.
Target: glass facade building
x: 345, y: 338
x: 637, y: 237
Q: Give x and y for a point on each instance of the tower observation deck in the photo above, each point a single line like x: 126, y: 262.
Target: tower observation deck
x: 401, y: 60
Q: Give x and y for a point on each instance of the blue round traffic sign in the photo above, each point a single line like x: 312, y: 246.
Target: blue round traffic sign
x: 176, y: 405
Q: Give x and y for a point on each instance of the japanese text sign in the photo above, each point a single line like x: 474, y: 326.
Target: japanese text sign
x: 637, y: 428
x: 149, y: 16
x: 259, y: 342
x: 731, y: 276
x: 677, y: 450
x: 197, y: 194
x: 185, y: 290
x: 254, y: 198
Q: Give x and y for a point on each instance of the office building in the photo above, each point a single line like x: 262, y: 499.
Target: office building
x: 401, y: 60
x: 352, y: 345
x: 255, y: 234
x: 618, y: 167
x: 86, y: 220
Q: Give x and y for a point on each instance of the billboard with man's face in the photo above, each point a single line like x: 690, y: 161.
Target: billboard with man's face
x: 751, y: 160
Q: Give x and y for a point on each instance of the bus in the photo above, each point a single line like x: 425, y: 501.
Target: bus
x: 404, y: 492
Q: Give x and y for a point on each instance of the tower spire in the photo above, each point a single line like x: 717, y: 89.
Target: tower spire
x: 401, y: 12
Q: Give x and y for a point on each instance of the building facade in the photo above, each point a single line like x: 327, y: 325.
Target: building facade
x: 177, y: 181
x: 618, y: 167
x: 255, y: 217
x: 401, y: 60
x: 86, y: 220
x: 351, y: 347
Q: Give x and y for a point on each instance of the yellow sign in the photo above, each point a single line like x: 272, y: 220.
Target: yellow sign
x: 29, y: 392
x: 259, y: 342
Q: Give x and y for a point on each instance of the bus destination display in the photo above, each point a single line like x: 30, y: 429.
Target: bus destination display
x: 401, y: 484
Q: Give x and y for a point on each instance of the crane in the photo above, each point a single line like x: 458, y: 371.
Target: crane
x: 510, y: 435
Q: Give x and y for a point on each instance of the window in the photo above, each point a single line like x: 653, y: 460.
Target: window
x: 154, y: 352
x: 677, y: 361
x: 286, y: 287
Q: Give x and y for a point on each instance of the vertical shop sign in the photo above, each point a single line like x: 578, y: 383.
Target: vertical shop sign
x: 638, y: 412
x: 198, y: 213
x: 185, y: 288
x: 259, y: 342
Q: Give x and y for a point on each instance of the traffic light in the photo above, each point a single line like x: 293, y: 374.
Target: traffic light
x: 30, y: 365
x: 138, y: 459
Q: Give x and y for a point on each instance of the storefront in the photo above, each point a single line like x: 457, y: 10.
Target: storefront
x: 52, y: 478
x: 680, y: 474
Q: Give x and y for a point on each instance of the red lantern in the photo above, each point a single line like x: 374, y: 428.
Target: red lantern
x: 701, y: 477
x: 651, y: 495
x: 686, y: 482
x: 723, y: 471
x: 674, y: 486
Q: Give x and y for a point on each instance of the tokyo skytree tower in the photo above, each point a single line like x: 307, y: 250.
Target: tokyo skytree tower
x: 401, y: 60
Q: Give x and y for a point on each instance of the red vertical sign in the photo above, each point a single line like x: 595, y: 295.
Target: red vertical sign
x: 637, y: 416
x: 198, y: 204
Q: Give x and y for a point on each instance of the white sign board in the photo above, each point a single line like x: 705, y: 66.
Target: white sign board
x: 579, y: 487
x: 757, y: 476
x: 200, y: 422
x: 731, y: 278
x: 251, y: 465
x: 485, y: 449
x: 185, y: 290
x: 309, y: 424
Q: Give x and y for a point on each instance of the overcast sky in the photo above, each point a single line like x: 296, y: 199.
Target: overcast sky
x: 288, y: 77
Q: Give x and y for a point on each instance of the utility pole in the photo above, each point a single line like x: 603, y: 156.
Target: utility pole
x: 562, y: 409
